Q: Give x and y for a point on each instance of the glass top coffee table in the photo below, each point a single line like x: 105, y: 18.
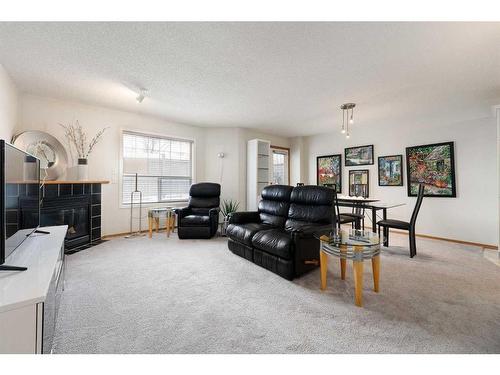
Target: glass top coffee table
x: 350, y: 244
x: 154, y: 215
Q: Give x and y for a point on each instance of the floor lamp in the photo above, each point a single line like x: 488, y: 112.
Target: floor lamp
x: 135, y: 167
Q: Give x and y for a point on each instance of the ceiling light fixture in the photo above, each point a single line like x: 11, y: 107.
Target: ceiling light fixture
x: 141, y: 96
x: 347, y: 118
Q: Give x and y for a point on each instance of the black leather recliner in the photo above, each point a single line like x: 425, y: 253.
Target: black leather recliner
x: 279, y: 236
x: 200, y: 218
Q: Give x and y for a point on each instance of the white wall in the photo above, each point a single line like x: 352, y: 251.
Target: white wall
x: 224, y: 171
x: 298, y: 161
x: 8, y: 105
x: 233, y: 143
x: 39, y: 113
x: 472, y: 216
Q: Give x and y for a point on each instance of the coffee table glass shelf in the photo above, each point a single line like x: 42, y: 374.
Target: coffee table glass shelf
x: 355, y: 245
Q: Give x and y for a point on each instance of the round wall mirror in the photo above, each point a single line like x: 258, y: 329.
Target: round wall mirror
x: 52, y: 154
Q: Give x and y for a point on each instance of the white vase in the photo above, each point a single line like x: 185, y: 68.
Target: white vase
x: 82, y: 170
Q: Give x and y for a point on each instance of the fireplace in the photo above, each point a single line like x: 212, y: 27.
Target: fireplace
x: 74, y: 212
x: 76, y: 218
x: 77, y: 205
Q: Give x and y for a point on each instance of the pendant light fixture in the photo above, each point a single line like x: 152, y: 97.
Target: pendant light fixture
x: 347, y: 118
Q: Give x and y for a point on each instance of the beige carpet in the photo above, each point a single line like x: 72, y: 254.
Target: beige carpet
x: 194, y: 296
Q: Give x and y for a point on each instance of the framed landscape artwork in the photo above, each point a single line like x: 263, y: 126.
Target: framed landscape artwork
x: 329, y: 171
x: 434, y: 166
x: 359, y: 183
x: 361, y: 155
x: 390, y: 170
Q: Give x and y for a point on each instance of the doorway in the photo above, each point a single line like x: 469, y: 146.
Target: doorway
x: 280, y: 165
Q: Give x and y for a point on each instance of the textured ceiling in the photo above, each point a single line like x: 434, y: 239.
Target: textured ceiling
x: 284, y: 78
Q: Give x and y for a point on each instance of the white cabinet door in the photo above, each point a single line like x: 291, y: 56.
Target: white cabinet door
x: 18, y: 331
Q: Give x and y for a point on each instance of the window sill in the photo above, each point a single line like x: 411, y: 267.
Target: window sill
x: 176, y: 204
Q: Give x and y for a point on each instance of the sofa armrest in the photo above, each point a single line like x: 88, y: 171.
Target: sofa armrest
x: 307, y: 231
x: 214, y: 211
x: 182, y: 212
x: 244, y: 217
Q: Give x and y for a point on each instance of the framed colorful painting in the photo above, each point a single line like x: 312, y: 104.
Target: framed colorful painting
x: 390, y: 170
x: 359, y: 183
x: 360, y: 155
x: 434, y: 166
x: 329, y: 171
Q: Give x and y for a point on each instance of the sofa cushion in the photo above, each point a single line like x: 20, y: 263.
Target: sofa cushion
x: 204, y: 195
x: 273, y: 212
x: 305, y: 227
x: 199, y: 211
x: 273, y: 208
x: 312, y: 195
x: 277, y: 193
x: 274, y: 241
x: 310, y: 213
x: 244, y: 233
x: 195, y: 220
x: 244, y: 217
x: 312, y: 204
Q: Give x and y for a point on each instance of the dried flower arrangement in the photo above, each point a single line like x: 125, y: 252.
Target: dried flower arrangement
x: 41, y: 150
x: 77, y: 137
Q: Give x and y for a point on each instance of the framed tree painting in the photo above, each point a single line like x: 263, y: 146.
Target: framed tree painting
x: 329, y: 171
x: 434, y: 166
x: 390, y: 170
x: 359, y: 182
x: 360, y: 155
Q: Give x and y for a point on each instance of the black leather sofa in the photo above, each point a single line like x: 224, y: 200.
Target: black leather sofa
x: 279, y: 236
x: 200, y: 218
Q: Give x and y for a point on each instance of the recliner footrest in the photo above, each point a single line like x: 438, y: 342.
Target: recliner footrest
x: 240, y: 249
x: 282, y: 267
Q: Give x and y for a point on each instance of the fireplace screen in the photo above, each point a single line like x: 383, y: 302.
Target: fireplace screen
x: 77, y: 220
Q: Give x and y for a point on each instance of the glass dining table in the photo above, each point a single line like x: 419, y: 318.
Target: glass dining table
x: 374, y: 205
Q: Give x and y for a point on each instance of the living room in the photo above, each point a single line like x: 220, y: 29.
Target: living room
x: 181, y: 187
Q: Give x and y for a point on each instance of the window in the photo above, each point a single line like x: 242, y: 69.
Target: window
x: 163, y: 166
x: 280, y: 165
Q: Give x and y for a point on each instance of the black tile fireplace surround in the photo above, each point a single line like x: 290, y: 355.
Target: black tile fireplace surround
x: 77, y: 205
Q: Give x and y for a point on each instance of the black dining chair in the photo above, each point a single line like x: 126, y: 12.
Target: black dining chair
x: 342, y: 218
x: 356, y: 217
x: 409, y: 226
x: 358, y: 212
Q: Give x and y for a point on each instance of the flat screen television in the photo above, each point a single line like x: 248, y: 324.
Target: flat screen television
x: 19, y: 200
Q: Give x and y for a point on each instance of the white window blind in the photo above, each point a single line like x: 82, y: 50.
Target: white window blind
x: 163, y: 166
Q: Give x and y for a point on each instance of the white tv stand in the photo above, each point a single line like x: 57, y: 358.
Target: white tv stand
x: 29, y: 299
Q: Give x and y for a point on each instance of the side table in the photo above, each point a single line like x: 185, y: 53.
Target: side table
x: 353, y: 244
x: 154, y: 215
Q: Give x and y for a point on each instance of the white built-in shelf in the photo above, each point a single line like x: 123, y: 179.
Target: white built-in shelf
x: 258, y: 170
